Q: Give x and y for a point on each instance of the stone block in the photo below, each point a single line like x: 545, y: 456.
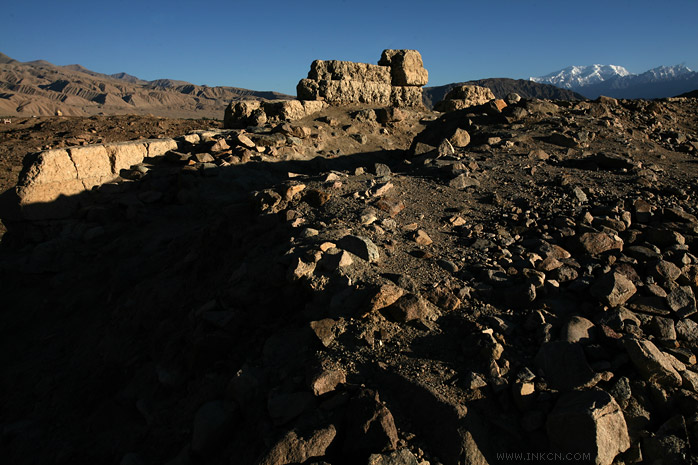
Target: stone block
x: 126, y: 154
x: 335, y: 70
x: 406, y: 67
x: 91, y: 161
x: 158, y: 147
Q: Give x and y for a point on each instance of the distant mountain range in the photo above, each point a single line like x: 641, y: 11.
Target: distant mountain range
x: 616, y: 81
x: 500, y: 87
x: 42, y: 88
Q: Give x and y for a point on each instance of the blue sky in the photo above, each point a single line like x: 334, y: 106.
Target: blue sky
x: 270, y: 45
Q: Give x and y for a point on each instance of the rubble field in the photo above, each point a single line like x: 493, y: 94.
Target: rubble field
x: 364, y: 285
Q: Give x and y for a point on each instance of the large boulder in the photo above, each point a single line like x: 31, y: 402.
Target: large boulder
x: 295, y: 447
x: 653, y: 364
x: 464, y: 96
x: 588, y: 422
x: 239, y: 115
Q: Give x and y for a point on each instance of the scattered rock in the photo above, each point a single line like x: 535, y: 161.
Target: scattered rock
x: 654, y: 365
x: 564, y: 365
x: 325, y: 330
x: 284, y: 407
x: 588, y: 421
x: 682, y: 301
x: 296, y: 448
x: 577, y: 329
x: 421, y: 237
x: 326, y: 380
x: 598, y: 243
x: 361, y: 247
x: 460, y: 138
x: 613, y: 289
x: 580, y: 261
x: 370, y: 426
x: 387, y: 295
x: 464, y: 96
x: 400, y: 457
x: 409, y: 307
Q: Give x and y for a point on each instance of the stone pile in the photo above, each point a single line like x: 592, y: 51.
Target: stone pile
x: 396, y: 81
x: 528, y: 293
x: 239, y: 115
x: 464, y: 96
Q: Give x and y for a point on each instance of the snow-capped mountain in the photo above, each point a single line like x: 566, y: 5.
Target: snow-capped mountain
x: 616, y: 81
x: 580, y: 76
x: 665, y: 72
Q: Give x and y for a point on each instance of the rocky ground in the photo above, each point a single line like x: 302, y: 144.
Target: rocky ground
x: 370, y: 286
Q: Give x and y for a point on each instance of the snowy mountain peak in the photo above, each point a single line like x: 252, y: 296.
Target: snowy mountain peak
x: 667, y: 72
x: 580, y: 76
x: 616, y: 81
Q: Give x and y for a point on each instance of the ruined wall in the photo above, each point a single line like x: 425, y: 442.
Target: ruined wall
x: 48, y: 188
x: 239, y: 115
x: 396, y: 80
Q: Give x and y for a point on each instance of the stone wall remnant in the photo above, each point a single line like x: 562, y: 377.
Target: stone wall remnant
x: 396, y: 81
x: 48, y: 188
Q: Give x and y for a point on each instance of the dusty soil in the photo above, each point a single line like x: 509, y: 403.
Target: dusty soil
x: 242, y: 309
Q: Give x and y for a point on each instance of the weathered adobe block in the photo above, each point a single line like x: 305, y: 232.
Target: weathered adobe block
x: 406, y: 67
x: 395, y: 81
x: 49, y: 188
x: 343, y: 92
x: 335, y: 70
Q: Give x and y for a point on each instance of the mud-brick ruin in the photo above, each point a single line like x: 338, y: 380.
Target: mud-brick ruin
x: 395, y: 81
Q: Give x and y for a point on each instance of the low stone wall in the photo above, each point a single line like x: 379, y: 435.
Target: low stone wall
x: 239, y: 115
x: 396, y: 80
x: 48, y: 188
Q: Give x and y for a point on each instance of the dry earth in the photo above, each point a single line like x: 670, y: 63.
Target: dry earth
x: 352, y: 288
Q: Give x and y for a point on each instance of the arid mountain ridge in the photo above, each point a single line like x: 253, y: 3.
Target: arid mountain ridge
x: 41, y: 88
x: 500, y: 87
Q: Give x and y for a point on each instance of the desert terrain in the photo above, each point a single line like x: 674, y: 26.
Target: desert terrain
x: 40, y: 88
x: 509, y: 281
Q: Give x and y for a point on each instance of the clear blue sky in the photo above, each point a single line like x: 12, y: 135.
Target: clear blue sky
x: 269, y: 45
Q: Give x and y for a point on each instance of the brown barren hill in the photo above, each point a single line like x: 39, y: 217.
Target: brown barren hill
x: 40, y: 88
